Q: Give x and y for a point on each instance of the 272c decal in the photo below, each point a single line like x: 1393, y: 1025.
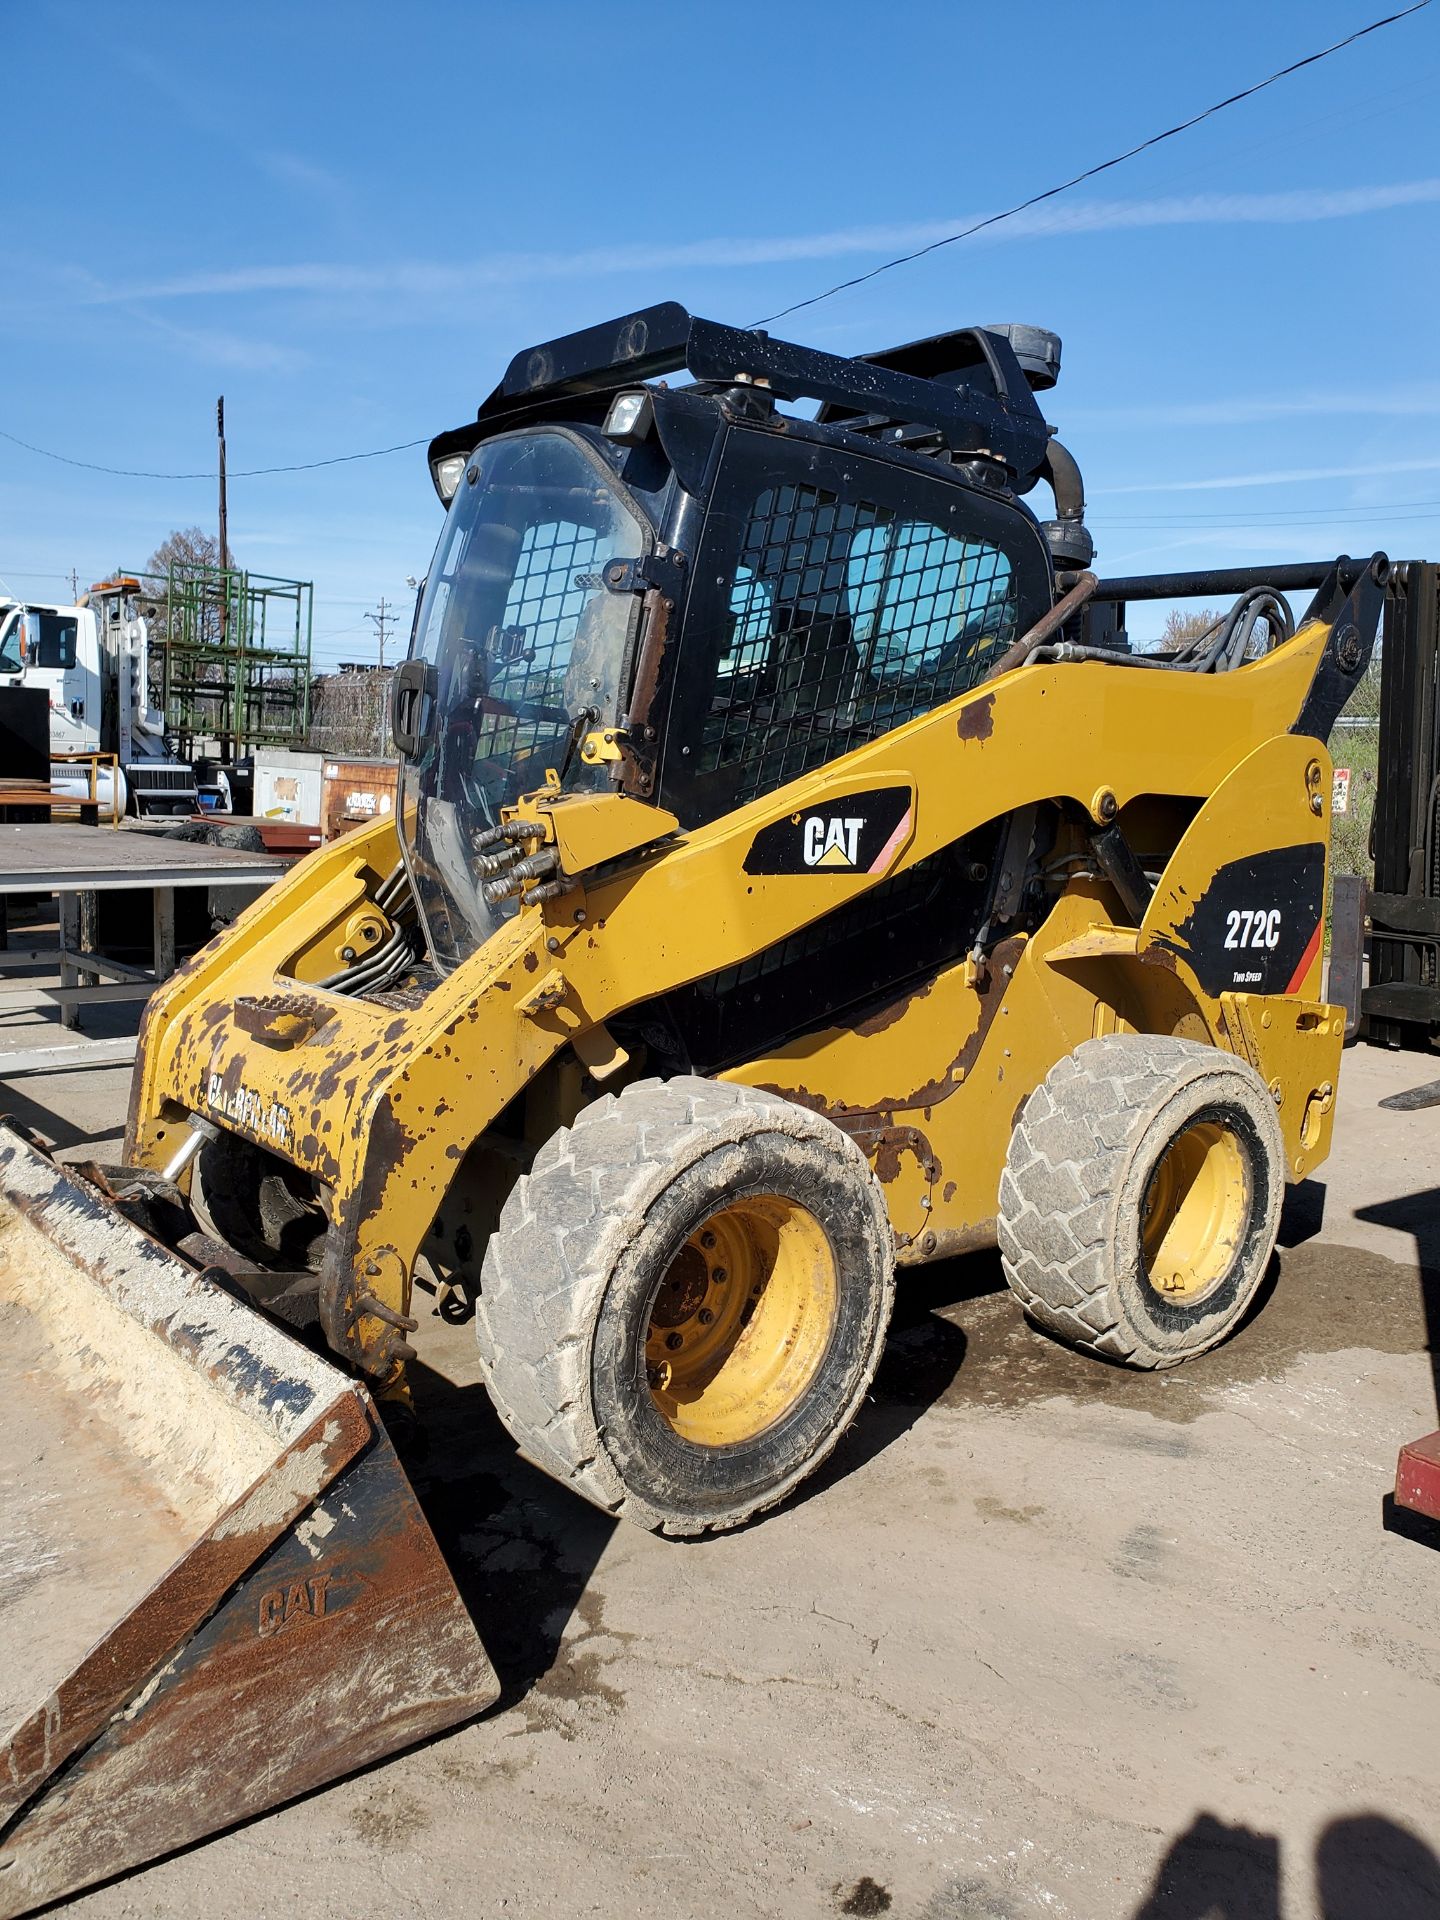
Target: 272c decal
x: 1257, y: 925
x: 1251, y: 928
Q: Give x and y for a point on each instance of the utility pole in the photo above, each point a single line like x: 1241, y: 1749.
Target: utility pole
x: 226, y: 743
x: 382, y: 620
x: 220, y: 435
x: 74, y: 586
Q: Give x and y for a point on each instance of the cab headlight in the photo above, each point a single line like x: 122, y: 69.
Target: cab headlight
x: 630, y: 418
x: 446, y: 473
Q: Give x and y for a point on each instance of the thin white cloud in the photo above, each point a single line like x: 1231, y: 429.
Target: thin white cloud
x: 412, y: 277
x: 1280, y: 477
x: 222, y: 348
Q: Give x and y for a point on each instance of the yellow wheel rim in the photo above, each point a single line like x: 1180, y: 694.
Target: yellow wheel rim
x: 741, y: 1321
x: 1195, y: 1213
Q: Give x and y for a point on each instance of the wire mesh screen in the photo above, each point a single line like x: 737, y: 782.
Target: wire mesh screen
x: 530, y: 652
x: 845, y: 620
x: 543, y: 607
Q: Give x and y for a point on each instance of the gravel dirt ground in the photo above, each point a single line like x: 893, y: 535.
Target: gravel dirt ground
x: 1044, y: 1637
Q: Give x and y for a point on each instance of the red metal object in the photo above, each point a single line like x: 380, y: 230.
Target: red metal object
x: 1417, y: 1476
x: 355, y: 791
x: 286, y: 836
x: 279, y: 836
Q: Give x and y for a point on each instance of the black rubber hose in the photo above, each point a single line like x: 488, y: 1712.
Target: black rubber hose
x: 1060, y: 469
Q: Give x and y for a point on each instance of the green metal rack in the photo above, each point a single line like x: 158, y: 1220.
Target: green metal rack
x: 229, y: 658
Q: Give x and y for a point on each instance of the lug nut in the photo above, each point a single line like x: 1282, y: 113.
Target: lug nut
x: 707, y: 1240
x: 674, y: 1340
x: 717, y: 1274
x: 705, y: 1316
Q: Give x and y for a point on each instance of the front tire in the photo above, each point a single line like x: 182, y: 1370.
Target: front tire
x: 685, y: 1301
x: 1141, y: 1197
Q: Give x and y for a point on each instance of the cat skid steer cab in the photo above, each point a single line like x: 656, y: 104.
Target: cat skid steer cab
x: 796, y: 878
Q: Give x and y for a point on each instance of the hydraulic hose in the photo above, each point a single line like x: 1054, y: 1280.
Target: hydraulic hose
x: 1030, y: 645
x: 1224, y: 644
x: 1221, y: 648
x: 394, y: 898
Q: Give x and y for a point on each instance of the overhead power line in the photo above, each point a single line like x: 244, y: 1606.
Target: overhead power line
x: 1103, y: 166
x: 236, y: 473
x: 840, y: 286
x: 1298, y: 516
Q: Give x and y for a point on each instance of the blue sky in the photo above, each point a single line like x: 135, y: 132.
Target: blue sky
x: 346, y: 219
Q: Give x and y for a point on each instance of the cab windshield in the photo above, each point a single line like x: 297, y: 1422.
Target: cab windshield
x: 525, y: 651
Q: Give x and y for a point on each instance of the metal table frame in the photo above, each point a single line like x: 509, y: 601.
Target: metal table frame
x: 87, y: 863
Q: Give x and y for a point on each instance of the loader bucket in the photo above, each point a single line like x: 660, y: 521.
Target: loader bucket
x: 217, y: 1589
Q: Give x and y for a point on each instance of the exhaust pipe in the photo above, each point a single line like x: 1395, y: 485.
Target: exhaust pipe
x: 1067, y: 536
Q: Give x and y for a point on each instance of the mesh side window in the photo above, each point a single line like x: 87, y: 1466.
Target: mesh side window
x: 752, y: 608
x: 845, y: 619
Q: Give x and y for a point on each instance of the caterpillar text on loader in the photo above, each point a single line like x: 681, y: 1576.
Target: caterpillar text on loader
x: 795, y: 878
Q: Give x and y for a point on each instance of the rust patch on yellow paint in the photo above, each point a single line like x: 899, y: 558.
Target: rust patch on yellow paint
x: 885, y: 1146
x: 887, y: 1016
x: 1006, y: 953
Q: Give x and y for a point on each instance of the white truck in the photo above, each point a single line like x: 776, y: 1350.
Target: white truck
x: 92, y: 660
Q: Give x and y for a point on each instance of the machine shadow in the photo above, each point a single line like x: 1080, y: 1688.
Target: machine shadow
x: 1406, y: 1524
x: 42, y: 1120
x: 1302, y: 1214
x: 1365, y: 1866
x: 520, y: 1547
x: 1418, y: 1214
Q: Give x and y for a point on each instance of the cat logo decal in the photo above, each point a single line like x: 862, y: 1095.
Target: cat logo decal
x: 857, y: 833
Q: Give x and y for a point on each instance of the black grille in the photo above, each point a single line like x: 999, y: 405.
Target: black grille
x: 846, y: 619
x: 864, y: 953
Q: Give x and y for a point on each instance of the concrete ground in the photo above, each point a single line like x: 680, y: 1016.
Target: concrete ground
x: 1044, y: 1637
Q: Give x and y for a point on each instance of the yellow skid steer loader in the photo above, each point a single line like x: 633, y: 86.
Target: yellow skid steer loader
x: 796, y: 877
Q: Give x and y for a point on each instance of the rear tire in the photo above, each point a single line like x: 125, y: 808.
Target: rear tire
x: 258, y: 1204
x: 1141, y: 1197
x: 685, y: 1301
